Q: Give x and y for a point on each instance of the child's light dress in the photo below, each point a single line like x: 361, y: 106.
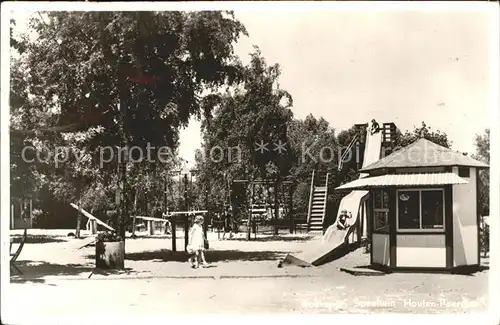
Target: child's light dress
x: 196, y: 239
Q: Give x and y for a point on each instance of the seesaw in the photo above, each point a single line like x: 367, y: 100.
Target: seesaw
x: 93, y: 220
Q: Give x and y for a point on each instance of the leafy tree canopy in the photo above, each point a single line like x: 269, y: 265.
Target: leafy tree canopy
x: 424, y: 131
x: 92, y: 75
x: 482, y: 142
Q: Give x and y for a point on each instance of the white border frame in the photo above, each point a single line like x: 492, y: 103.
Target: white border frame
x: 423, y: 230
x: 490, y: 316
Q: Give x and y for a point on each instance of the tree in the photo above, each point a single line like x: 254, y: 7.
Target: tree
x: 424, y: 131
x: 316, y: 142
x: 482, y: 142
x: 139, y: 76
x: 244, y: 117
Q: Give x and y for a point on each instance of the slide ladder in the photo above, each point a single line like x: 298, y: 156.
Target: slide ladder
x: 317, y: 202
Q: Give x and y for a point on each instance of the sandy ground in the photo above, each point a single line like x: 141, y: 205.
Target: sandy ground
x: 339, y: 294
x: 243, y: 279
x: 51, y: 254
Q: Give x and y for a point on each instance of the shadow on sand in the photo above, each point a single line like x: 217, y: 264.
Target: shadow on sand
x: 470, y: 270
x: 275, y: 238
x: 38, y: 239
x: 146, y: 236
x: 36, y: 271
x: 213, y: 256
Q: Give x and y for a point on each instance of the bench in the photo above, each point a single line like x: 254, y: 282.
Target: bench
x: 300, y: 223
x: 15, y: 255
x: 151, y: 223
x: 302, y: 227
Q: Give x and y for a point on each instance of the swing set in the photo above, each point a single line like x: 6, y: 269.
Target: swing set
x: 265, y: 204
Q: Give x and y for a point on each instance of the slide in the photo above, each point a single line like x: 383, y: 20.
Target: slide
x: 372, y: 149
x: 334, y: 239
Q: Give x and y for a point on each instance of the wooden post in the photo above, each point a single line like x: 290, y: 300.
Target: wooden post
x: 146, y: 204
x: 365, y: 220
x: 353, y: 235
x: 186, y: 231
x: 276, y: 208
x: 174, y: 234
x: 205, y: 228
x: 165, y: 206
x: 151, y: 227
x: 31, y: 213
x: 392, y: 227
x: 21, y: 209
x: 290, y: 207
x: 166, y: 223
x: 12, y: 220
x: 205, y: 219
x: 186, y: 216
x: 448, y: 215
x: 93, y: 227
x: 249, y: 219
x: 135, y: 212
x: 359, y: 223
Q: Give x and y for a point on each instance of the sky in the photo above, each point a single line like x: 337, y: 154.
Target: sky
x: 349, y: 67
x: 401, y: 67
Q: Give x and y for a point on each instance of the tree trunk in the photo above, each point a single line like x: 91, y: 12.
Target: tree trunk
x: 78, y: 225
x: 123, y: 212
x: 78, y: 221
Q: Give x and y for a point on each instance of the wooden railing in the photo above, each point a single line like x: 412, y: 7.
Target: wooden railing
x: 326, y: 198
x: 310, y: 198
x: 348, y: 149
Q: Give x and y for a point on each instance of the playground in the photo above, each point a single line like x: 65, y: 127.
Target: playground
x: 258, y: 236
x: 51, y: 254
x: 52, y: 263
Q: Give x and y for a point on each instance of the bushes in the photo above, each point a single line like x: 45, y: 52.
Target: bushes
x: 484, y: 238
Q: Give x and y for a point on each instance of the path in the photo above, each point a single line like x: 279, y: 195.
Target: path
x: 339, y: 294
x: 148, y: 289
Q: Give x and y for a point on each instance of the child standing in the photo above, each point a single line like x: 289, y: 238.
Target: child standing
x: 228, y: 222
x: 196, y: 246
